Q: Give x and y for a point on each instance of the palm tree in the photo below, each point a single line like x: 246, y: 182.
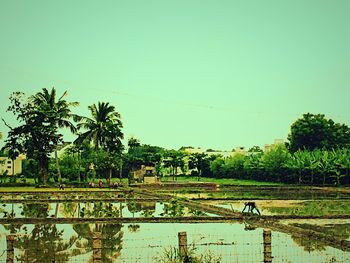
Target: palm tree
x: 103, y: 128
x: 59, y: 111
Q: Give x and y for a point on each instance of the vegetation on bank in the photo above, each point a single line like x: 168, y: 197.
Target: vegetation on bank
x: 221, y: 181
x: 317, y: 151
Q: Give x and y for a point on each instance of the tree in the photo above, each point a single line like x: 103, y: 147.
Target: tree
x: 234, y: 165
x: 174, y: 159
x: 103, y: 128
x: 275, y: 161
x: 198, y: 161
x: 255, y: 149
x: 217, y: 167
x: 298, y: 162
x: 59, y: 111
x: 314, y: 131
x: 133, y: 142
x: 37, y: 133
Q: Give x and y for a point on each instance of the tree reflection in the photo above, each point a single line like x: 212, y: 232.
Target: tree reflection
x: 174, y: 208
x: 104, y: 237
x: 36, y: 210
x: 44, y: 244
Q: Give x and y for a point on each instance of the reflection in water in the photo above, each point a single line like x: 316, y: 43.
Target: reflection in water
x: 35, y: 210
x: 143, y: 242
x: 174, y: 208
x: 133, y: 228
x: 43, y: 244
x: 338, y: 231
x: 91, y: 237
x: 104, y: 240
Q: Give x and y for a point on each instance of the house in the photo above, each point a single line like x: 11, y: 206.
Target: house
x: 11, y: 167
x: 270, y: 146
x: 145, y: 173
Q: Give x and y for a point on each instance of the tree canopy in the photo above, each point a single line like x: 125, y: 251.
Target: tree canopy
x: 314, y: 131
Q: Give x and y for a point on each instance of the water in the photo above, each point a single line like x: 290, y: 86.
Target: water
x: 149, y: 243
x: 96, y: 209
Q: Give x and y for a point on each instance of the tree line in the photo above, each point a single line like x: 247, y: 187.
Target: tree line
x: 317, y: 151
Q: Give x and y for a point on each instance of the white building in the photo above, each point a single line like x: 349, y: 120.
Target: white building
x: 15, y: 167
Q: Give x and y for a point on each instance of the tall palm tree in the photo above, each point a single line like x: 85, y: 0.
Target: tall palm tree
x: 103, y: 128
x: 58, y: 110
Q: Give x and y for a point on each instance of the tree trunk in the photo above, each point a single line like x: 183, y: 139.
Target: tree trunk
x: 13, y: 167
x: 79, y: 178
x: 13, y: 170
x: 44, y: 163
x: 56, y: 210
x: 120, y: 171
x: 58, y: 167
x: 110, y: 175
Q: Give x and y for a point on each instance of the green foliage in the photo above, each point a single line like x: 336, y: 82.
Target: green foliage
x: 174, y: 208
x: 200, y: 162
x: 275, y: 160
x: 255, y: 149
x: 103, y: 128
x: 174, y: 160
x: 278, y: 165
x: 37, y: 133
x: 173, y: 255
x: 314, y: 131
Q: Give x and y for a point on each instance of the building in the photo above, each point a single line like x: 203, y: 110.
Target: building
x: 145, y: 174
x: 270, y: 146
x: 10, y: 167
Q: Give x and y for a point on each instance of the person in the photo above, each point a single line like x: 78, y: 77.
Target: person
x: 251, y: 207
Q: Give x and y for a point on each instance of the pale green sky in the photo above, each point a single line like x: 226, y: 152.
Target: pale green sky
x: 212, y: 74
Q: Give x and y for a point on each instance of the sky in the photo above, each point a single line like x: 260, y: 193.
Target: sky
x: 203, y: 73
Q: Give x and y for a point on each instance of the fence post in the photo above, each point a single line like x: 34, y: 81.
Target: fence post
x: 182, y: 243
x: 97, y: 247
x: 10, y: 256
x: 267, y: 246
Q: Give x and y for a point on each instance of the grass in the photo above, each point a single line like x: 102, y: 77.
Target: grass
x: 221, y: 181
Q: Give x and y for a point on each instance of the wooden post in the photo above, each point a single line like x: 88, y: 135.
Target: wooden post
x: 267, y: 246
x: 182, y: 243
x: 10, y: 256
x: 97, y: 247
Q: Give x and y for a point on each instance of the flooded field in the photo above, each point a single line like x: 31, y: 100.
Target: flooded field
x: 215, y: 229
x: 292, y: 207
x: 88, y: 209
x: 269, y: 193
x: 150, y: 243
